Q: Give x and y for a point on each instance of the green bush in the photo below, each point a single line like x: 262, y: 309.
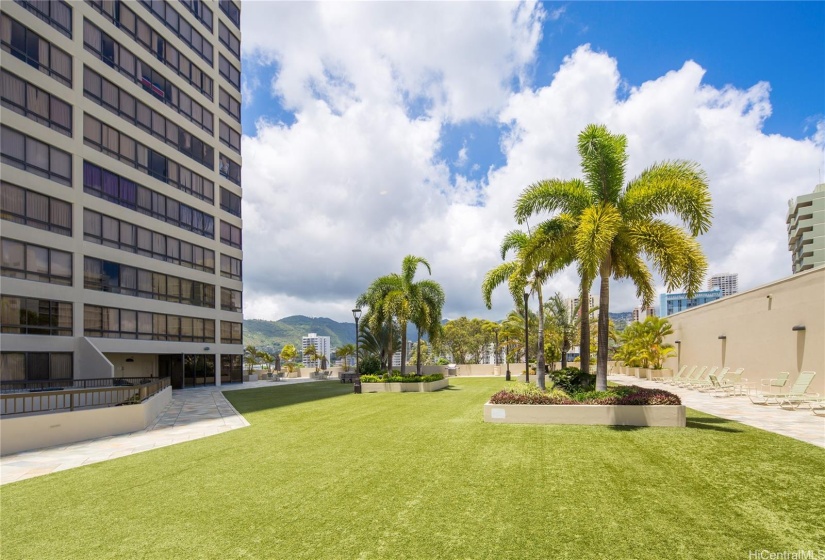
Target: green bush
x: 369, y: 378
x: 369, y: 365
x: 572, y: 380
x: 401, y: 378
x: 632, y: 395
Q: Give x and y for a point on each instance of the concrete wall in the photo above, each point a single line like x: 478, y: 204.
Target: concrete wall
x: 90, y: 363
x: 142, y: 365
x: 757, y: 326
x: 47, y: 430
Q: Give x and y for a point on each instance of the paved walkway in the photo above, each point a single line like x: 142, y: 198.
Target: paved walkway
x: 192, y: 414
x: 801, y: 424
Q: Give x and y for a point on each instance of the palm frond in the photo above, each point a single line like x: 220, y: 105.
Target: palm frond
x: 495, y: 278
x: 513, y: 241
x: 679, y: 186
x: 598, y: 227
x: 551, y: 195
x: 604, y: 158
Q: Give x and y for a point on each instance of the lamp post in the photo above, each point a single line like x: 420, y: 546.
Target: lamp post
x: 357, y: 314
x: 526, y: 340
x: 495, y: 349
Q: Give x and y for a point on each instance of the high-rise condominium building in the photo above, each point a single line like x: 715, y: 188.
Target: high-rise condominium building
x: 726, y: 282
x: 121, y: 190
x: 573, y: 303
x: 806, y: 230
x: 674, y: 303
x: 322, y: 347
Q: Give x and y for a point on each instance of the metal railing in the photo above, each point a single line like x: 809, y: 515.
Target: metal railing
x: 59, y: 384
x: 66, y: 400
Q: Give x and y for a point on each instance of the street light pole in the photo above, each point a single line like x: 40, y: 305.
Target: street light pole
x: 357, y: 314
x: 526, y: 340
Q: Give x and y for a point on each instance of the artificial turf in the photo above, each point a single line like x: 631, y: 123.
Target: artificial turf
x: 324, y: 473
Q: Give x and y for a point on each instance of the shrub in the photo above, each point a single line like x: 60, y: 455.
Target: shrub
x: 572, y: 380
x: 369, y: 365
x: 369, y: 378
x: 401, y: 378
x: 632, y: 395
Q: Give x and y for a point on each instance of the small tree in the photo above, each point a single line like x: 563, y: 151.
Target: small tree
x: 251, y: 357
x: 312, y: 353
x: 344, y: 352
x: 288, y: 353
x: 267, y: 359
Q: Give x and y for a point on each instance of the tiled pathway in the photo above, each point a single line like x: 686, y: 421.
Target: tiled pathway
x: 192, y: 414
x: 801, y: 424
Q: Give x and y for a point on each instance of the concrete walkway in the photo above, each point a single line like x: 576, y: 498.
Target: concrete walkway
x: 193, y: 414
x: 801, y: 424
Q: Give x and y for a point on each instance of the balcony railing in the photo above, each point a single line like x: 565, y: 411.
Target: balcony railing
x: 94, y: 393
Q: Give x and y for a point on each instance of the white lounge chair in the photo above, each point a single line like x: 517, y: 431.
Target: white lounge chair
x: 798, y: 392
x: 767, y: 388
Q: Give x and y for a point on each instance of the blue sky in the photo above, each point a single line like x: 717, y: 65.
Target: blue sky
x: 379, y: 129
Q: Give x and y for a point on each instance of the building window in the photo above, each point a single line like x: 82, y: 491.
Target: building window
x: 56, y: 13
x: 105, y: 93
x: 31, y: 48
x: 229, y: 40
x: 128, y: 22
x: 33, y: 209
x: 112, y: 322
x: 229, y: 104
x: 108, y: 276
x: 33, y: 262
x: 122, y: 235
x: 36, y: 104
x: 230, y: 202
x: 230, y: 169
x: 123, y: 192
x: 200, y: 10
x: 232, y: 11
x: 21, y: 315
x: 231, y: 267
x: 230, y: 235
x: 231, y: 368
x: 231, y: 333
x: 231, y: 300
x: 32, y: 155
x: 115, y: 144
x: 230, y: 137
x: 164, y: 12
x: 230, y: 72
x: 36, y: 366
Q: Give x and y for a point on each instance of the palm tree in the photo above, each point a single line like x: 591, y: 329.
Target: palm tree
x: 313, y: 355
x: 566, y: 323
x: 511, y: 335
x: 537, y: 258
x: 381, y: 342
x: 344, y: 352
x: 289, y: 353
x: 427, y: 306
x: 250, y: 357
x: 619, y: 226
x: 398, y: 296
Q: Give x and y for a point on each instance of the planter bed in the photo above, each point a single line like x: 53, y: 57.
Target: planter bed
x: 587, y: 414
x: 405, y: 387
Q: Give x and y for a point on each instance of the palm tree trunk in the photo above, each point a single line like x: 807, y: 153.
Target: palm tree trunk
x: 389, y: 347
x: 418, y: 354
x: 565, y: 346
x: 540, y: 363
x: 403, y: 347
x: 604, y: 318
x: 584, y: 309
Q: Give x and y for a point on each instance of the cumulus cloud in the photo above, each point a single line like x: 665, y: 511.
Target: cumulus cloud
x: 356, y: 182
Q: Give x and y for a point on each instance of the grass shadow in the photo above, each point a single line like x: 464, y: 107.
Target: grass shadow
x: 266, y: 398
x: 709, y: 424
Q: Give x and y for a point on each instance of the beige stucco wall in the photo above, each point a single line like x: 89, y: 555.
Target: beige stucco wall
x: 758, y: 330
x: 47, y: 430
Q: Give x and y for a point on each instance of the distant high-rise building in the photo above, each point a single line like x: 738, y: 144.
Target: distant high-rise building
x: 726, y: 282
x: 573, y: 303
x: 806, y: 229
x: 640, y: 313
x: 674, y: 303
x: 121, y: 191
x: 322, y: 347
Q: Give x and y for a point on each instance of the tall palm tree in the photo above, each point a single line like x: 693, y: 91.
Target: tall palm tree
x: 381, y: 342
x: 427, y: 303
x: 566, y: 322
x: 398, y: 296
x: 619, y: 226
x: 536, y: 260
x: 345, y: 351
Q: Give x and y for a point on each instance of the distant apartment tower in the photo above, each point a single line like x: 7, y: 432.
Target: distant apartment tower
x: 322, y: 347
x: 674, y: 303
x: 806, y: 230
x: 640, y: 313
x: 573, y: 303
x: 726, y: 282
x: 121, y: 206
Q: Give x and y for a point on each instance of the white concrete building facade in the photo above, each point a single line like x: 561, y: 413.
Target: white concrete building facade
x: 726, y: 282
x: 121, y: 191
x: 806, y: 230
x: 322, y: 347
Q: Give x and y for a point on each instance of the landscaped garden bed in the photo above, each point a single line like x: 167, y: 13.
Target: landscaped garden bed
x: 403, y: 384
x: 572, y: 401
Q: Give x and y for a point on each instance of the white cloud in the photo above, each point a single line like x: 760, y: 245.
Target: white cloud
x: 340, y: 196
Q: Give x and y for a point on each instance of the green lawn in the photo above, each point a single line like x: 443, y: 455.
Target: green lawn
x: 323, y: 473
